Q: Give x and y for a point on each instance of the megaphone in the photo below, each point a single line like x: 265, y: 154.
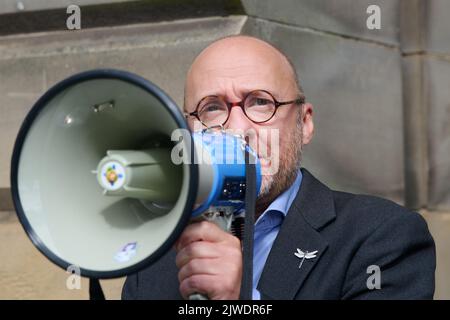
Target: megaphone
x: 96, y: 176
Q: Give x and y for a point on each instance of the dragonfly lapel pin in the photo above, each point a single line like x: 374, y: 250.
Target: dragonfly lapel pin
x: 304, y: 255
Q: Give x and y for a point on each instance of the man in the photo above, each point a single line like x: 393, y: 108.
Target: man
x: 310, y: 242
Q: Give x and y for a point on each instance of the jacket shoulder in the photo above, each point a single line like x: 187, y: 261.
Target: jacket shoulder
x: 389, y: 236
x: 373, y: 211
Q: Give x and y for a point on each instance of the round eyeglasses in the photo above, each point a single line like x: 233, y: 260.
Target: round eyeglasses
x: 259, y: 106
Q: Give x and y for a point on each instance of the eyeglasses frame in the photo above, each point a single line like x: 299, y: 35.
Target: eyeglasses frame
x: 299, y: 101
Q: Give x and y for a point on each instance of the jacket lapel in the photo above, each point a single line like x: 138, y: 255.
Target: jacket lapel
x: 311, y: 210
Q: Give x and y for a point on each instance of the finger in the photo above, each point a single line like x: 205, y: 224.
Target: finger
x: 202, y: 231
x: 199, y: 249
x: 200, y: 266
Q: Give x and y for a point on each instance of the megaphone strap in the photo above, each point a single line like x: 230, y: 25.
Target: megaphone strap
x: 247, y: 252
x: 95, y: 290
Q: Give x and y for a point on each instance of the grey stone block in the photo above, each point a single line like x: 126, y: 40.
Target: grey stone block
x: 439, y: 225
x: 413, y: 25
x: 112, y: 13
x: 160, y: 52
x: 10, y: 6
x: 438, y: 35
x: 415, y: 131
x: 356, y: 88
x: 425, y: 25
x: 346, y: 17
x: 437, y: 79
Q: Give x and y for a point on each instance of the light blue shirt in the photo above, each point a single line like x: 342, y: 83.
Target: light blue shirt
x: 267, y: 227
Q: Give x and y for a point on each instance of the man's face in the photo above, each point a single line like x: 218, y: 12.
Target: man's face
x: 233, y: 67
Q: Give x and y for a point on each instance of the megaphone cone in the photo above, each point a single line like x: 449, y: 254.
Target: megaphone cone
x: 93, y: 178
x: 84, y: 126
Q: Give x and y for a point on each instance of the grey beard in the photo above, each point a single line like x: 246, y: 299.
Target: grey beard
x: 290, y: 161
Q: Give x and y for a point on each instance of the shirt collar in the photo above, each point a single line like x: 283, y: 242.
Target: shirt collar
x: 283, y: 202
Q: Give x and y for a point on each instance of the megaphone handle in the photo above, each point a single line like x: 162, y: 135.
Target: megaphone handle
x: 222, y: 217
x: 247, y: 241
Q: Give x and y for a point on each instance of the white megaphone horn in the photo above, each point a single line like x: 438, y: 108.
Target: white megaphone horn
x: 93, y: 176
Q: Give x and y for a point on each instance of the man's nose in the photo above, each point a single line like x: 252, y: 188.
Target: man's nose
x: 238, y: 119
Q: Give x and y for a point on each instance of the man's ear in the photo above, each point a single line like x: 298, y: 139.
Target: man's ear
x: 307, y: 123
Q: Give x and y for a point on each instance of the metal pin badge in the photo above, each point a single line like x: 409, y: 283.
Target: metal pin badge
x: 304, y: 255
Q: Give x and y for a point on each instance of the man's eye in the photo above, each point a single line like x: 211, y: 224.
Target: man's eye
x: 212, y: 108
x: 259, y: 102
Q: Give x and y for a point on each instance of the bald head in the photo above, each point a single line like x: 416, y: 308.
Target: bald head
x: 239, y: 57
x: 233, y: 67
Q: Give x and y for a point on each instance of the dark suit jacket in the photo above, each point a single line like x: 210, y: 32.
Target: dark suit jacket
x: 350, y: 232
